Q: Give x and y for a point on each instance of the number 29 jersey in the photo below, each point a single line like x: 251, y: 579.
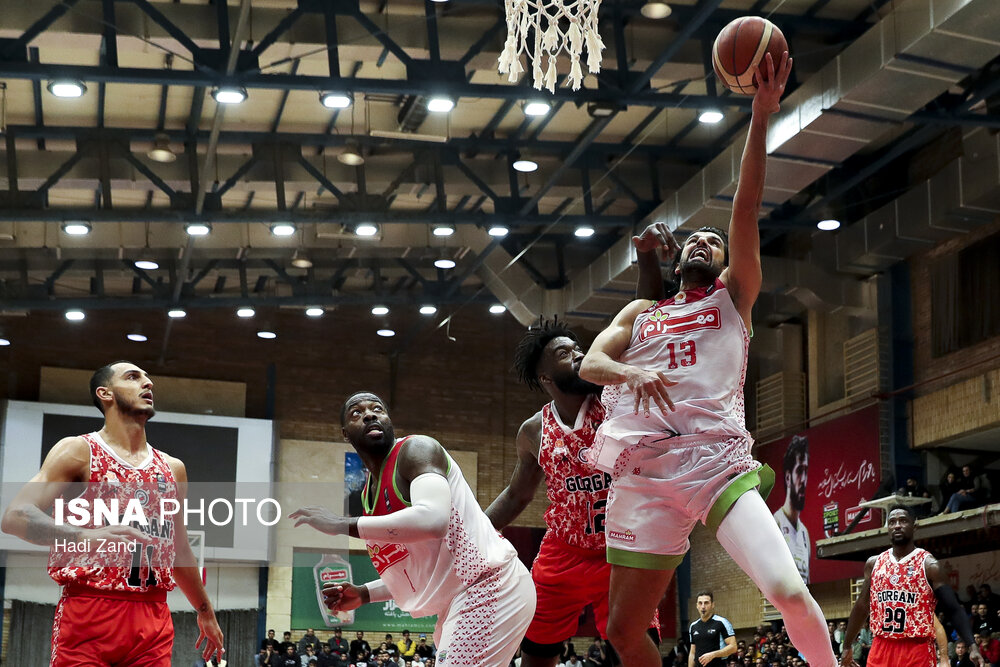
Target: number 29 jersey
x: 698, y: 340
x: 902, y: 601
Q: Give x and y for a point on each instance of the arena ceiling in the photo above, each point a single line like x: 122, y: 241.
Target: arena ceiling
x: 884, y: 96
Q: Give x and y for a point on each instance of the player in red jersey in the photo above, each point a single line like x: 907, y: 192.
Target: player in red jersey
x: 902, y: 586
x: 115, y: 579
x: 571, y: 570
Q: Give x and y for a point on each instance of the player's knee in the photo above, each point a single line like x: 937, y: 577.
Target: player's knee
x: 790, y: 596
x: 623, y: 630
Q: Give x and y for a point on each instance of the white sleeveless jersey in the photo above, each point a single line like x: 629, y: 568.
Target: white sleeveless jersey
x: 698, y: 340
x: 425, y: 576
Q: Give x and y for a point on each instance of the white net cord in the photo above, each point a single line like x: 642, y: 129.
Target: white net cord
x: 543, y: 18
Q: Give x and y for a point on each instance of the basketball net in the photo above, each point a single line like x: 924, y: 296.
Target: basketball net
x: 541, y: 20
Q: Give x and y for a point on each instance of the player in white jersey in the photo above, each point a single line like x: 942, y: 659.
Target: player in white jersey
x: 435, y: 550
x: 690, y: 460
x: 795, y: 468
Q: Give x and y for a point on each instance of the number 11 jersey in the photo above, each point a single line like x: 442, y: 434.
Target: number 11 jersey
x: 902, y: 601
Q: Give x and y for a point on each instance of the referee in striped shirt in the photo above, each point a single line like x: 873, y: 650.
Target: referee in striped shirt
x: 712, y: 637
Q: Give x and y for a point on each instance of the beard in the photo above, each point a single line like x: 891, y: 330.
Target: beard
x: 798, y: 498
x: 699, y: 273
x: 576, y: 385
x: 130, y: 410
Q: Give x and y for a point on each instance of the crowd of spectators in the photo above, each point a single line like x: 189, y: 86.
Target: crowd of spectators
x: 336, y: 651
x: 964, y: 489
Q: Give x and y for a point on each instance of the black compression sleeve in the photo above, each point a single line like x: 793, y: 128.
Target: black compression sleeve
x: 953, y: 611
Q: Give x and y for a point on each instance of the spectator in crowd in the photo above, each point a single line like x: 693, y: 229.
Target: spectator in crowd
x: 980, y: 619
x: 961, y: 656
x: 307, y: 656
x: 574, y: 661
x: 309, y: 639
x: 289, y: 658
x: 567, y: 651
x: 989, y: 648
x: 340, y: 648
x: 407, y: 647
x: 989, y: 598
x: 425, y: 651
x: 267, y: 657
x: 595, y: 654
x: 862, y: 645
x: 915, y: 489
x: 838, y: 637
x: 360, y: 648
x: 270, y: 641
x: 949, y: 486
x: 327, y: 658
x: 391, y: 648
x: 969, y: 492
x: 972, y: 599
x: 286, y: 641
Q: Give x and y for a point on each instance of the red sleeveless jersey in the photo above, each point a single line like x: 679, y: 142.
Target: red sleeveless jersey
x: 577, y: 492
x: 108, y: 566
x: 385, y: 499
x: 902, y: 602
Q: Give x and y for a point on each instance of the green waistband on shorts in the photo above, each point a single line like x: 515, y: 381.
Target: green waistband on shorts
x: 762, y: 479
x: 644, y: 561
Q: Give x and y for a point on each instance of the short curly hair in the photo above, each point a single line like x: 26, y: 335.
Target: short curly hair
x: 530, y: 347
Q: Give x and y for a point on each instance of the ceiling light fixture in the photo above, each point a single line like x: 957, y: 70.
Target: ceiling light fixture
x: 176, y: 313
x: 198, y: 229
x: 75, y: 315
x: 440, y: 104
x: 828, y: 225
x: 67, y: 88
x: 300, y: 261
x: 428, y: 310
x: 536, y: 108
x: 351, y: 156
x: 380, y: 310
x: 160, y: 152
x: 584, y: 231
x: 525, y: 166
x: 498, y: 308
x: 444, y: 263
x: 386, y: 333
x: 498, y: 230
x: 229, y: 94
x: 136, y: 337
x: 283, y: 229
x: 710, y: 117
x: 366, y: 229
x: 655, y: 10
x: 601, y: 109
x: 147, y: 265
x: 314, y: 311
x: 335, y: 100
x: 245, y: 312
x: 76, y: 228
x: 267, y: 335
x: 443, y: 230
x: 4, y: 342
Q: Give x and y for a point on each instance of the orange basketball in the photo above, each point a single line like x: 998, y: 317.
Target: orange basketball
x: 740, y: 47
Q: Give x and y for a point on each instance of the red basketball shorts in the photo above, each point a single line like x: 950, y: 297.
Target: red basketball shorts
x: 903, y: 652
x: 96, y: 628
x: 567, y: 579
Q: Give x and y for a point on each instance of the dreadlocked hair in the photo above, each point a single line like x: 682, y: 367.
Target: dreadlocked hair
x: 530, y: 347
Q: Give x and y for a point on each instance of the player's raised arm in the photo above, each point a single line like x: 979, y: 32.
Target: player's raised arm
x: 654, y: 243
x: 743, y: 276
x: 859, y: 612
x: 524, y: 481
x: 188, y: 575
x: 601, y: 365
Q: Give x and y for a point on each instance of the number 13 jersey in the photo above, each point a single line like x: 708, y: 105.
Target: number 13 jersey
x: 902, y: 602
x: 698, y: 340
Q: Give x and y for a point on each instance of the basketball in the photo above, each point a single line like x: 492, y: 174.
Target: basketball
x: 740, y: 47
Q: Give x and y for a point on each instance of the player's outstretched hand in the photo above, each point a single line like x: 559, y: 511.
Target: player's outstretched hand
x: 771, y: 83
x: 847, y: 658
x: 115, y: 534
x: 211, y: 634
x: 657, y: 236
x: 646, y: 385
x: 342, y: 597
x: 321, y: 519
